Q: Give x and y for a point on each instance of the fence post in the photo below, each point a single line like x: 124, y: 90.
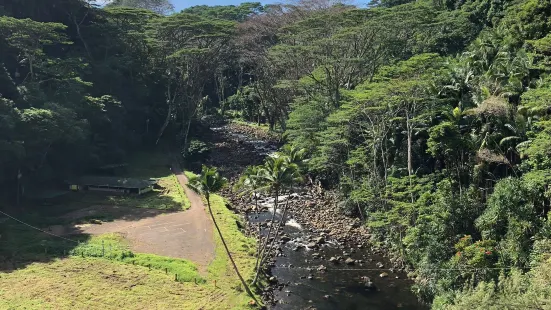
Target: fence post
x: 102, y: 248
x: 166, y: 270
x: 175, y: 277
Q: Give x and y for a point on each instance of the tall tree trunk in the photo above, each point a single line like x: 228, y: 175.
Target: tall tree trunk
x: 263, y: 248
x: 410, y: 155
x: 186, y: 135
x: 165, y: 124
x: 79, y: 34
x: 410, y: 134
x: 228, y: 251
x: 271, y: 247
x: 170, y: 102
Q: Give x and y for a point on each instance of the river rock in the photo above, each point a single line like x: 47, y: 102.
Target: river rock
x: 320, y: 240
x: 349, y: 261
x: 368, y: 284
x: 383, y: 275
x: 334, y: 260
x: 379, y: 265
x: 272, y: 280
x: 298, y: 247
x: 285, y: 238
x: 312, y: 245
x: 322, y: 268
x: 316, y: 255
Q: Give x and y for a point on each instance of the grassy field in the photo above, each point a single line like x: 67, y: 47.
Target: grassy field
x: 94, y: 283
x: 169, y: 196
x: 102, y: 273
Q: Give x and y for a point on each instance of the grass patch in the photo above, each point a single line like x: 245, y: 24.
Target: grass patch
x: 92, y: 283
x: 113, y: 246
x: 95, y: 219
x: 169, y: 196
x: 101, y: 271
x: 242, y: 249
x: 189, y: 174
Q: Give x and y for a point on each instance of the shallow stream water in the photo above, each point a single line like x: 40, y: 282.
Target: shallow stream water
x: 340, y: 286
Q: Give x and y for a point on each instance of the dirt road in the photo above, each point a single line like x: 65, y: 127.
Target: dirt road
x: 187, y: 234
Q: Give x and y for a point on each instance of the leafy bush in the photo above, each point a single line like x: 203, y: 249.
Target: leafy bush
x: 197, y: 149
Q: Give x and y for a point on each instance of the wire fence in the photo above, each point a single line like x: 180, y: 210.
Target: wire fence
x: 120, y: 253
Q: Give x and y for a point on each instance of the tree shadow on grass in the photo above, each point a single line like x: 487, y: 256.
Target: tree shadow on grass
x: 56, y: 231
x: 21, y: 244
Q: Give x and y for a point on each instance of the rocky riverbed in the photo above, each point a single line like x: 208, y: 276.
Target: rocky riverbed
x: 322, y: 259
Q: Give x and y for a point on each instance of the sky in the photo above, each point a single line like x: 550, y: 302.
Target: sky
x: 182, y: 4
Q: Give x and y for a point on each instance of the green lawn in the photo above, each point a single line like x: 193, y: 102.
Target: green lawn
x: 169, y: 196
x: 102, y: 273
x: 95, y: 283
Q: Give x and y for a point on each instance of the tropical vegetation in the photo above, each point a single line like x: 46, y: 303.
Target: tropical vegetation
x: 429, y: 118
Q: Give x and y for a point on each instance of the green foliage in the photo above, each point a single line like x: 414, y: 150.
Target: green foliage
x: 197, y: 149
x: 209, y: 181
x: 430, y: 118
x: 444, y: 140
x: 514, y: 290
x: 475, y: 260
x: 157, y: 6
x: 236, y: 13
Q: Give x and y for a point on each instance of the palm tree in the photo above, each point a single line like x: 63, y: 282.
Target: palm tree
x: 210, y: 181
x: 278, y: 174
x: 294, y: 155
x: 250, y: 182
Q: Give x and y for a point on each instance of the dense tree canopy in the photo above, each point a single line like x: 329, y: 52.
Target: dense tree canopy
x: 430, y: 118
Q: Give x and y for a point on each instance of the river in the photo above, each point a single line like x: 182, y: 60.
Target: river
x: 368, y: 283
